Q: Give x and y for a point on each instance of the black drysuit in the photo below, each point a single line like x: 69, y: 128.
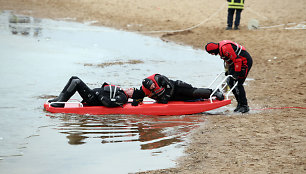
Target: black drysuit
x: 107, y: 95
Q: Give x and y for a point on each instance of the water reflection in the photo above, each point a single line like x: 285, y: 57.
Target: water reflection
x: 24, y: 25
x: 151, y: 131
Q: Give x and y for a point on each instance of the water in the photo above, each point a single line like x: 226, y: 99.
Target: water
x: 37, y: 58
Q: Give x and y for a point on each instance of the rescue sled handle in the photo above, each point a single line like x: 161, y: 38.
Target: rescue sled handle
x: 220, y: 84
x: 215, y: 80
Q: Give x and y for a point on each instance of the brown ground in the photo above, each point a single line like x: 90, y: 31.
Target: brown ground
x: 270, y: 141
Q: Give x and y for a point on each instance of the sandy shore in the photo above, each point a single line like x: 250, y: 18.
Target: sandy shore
x: 266, y: 141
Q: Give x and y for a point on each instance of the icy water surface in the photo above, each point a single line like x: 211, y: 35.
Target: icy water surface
x: 37, y: 58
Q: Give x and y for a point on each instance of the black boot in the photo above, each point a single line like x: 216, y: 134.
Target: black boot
x: 237, y: 108
x: 219, y: 95
x: 56, y: 98
x: 244, y: 109
x: 58, y: 105
x: 237, y: 97
x: 63, y: 98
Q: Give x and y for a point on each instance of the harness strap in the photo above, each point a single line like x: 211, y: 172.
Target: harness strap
x: 238, y: 48
x: 112, y: 98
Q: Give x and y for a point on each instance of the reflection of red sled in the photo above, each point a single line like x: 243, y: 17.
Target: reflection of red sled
x: 147, y: 108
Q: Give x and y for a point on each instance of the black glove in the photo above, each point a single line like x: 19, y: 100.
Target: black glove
x: 164, y: 99
x: 235, y: 75
x: 226, y: 73
x: 136, y: 102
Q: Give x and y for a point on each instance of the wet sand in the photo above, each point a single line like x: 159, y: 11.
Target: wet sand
x: 264, y: 141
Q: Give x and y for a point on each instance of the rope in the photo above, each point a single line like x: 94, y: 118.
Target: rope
x: 280, y: 108
x: 300, y: 25
x: 190, y: 28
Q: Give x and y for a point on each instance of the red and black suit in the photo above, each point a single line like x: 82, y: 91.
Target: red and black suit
x: 240, y: 63
x: 169, y: 90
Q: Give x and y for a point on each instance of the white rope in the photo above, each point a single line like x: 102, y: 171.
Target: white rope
x: 190, y: 28
x: 300, y: 25
x: 273, y: 26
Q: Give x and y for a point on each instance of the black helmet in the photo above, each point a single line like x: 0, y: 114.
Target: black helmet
x: 147, y: 83
x: 121, y: 99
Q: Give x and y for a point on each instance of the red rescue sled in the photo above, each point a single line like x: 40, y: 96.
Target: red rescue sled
x: 147, y: 108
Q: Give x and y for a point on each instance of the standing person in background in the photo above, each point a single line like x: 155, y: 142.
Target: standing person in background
x: 234, y: 5
x: 239, y: 62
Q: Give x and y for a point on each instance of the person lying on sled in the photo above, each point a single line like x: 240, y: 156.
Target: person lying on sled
x: 107, y: 95
x: 162, y: 89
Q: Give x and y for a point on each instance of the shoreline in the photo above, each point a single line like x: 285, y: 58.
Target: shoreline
x: 270, y: 141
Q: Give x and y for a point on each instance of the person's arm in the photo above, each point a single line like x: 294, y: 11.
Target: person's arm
x: 228, y: 52
x: 169, y: 88
x: 167, y: 84
x: 138, y: 96
x: 119, y: 100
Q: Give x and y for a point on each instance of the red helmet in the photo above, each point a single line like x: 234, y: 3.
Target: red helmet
x: 212, y: 48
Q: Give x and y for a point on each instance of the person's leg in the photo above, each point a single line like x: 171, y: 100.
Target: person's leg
x: 242, y: 77
x: 75, y: 84
x: 204, y: 93
x: 230, y: 14
x: 231, y: 83
x: 237, y: 19
x: 183, y: 94
x: 242, y: 97
x: 63, y: 91
x: 243, y: 106
x: 182, y: 91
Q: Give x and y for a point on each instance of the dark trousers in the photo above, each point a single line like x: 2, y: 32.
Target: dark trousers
x: 239, y: 91
x: 184, y: 91
x: 75, y: 84
x: 230, y: 16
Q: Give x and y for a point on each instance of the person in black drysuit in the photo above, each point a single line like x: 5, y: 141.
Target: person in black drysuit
x: 162, y: 89
x: 107, y: 95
